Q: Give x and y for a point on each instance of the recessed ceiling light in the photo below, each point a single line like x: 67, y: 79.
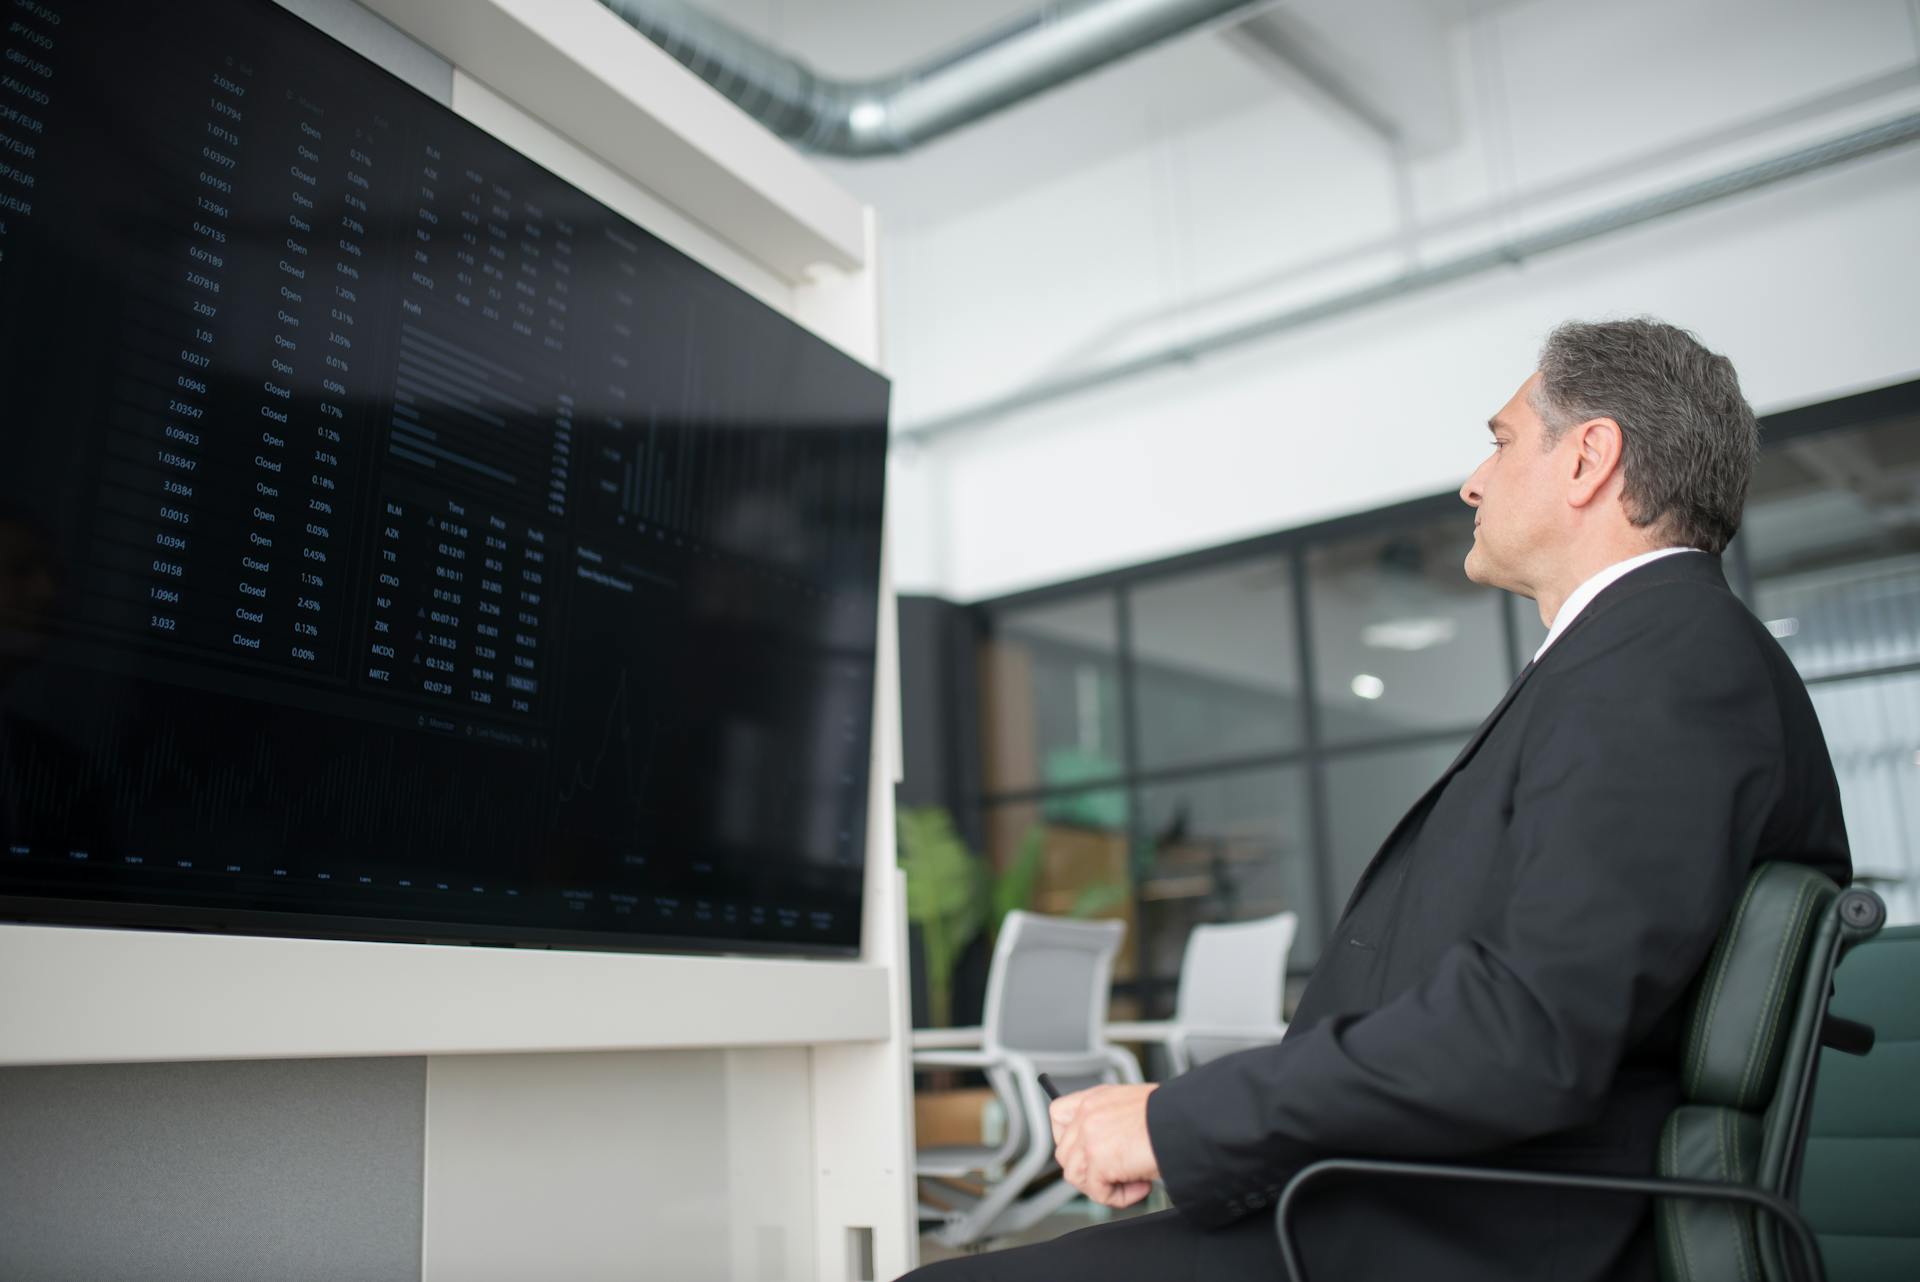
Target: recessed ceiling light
x: 1368, y: 686
x: 1409, y: 634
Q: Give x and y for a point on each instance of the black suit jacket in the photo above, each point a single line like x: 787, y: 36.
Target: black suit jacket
x: 1506, y: 984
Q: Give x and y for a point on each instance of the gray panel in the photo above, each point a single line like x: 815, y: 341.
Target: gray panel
x: 296, y: 1169
x: 374, y: 38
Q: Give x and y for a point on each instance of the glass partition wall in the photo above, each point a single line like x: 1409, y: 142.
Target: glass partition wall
x: 1230, y: 735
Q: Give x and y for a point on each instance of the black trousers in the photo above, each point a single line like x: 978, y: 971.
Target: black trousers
x: 1163, y: 1247
x: 1339, y: 1239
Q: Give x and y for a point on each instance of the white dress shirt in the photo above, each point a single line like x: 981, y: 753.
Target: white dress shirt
x: 1583, y: 595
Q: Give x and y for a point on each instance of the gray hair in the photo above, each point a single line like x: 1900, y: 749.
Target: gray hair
x: 1688, y: 437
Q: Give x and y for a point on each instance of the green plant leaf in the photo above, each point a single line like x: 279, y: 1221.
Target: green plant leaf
x: 1014, y: 888
x: 1099, y: 898
x: 946, y: 897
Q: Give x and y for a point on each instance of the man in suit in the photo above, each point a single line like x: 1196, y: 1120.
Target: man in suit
x: 1507, y: 982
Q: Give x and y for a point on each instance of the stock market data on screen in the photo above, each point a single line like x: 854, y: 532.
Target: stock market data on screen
x: 395, y: 541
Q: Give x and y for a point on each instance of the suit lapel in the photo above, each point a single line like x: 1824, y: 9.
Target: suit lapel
x: 1433, y: 790
x: 1480, y: 734
x: 1705, y: 569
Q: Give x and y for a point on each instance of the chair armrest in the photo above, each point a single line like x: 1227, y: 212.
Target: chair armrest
x: 1143, y: 1030
x: 1025, y: 1062
x: 1071, y: 1064
x: 1242, y: 1033
x: 957, y: 1058
x: 1125, y: 1064
x: 928, y: 1039
x: 1169, y: 1030
x: 1642, y: 1186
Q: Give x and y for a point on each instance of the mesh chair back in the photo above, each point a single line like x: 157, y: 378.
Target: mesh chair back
x: 1234, y: 975
x: 1047, y: 986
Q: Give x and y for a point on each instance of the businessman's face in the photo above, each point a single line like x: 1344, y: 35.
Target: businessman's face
x: 1513, y: 493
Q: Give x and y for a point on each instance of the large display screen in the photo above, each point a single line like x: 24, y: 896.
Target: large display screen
x: 394, y: 541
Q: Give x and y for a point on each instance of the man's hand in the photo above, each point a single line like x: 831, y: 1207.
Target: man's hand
x: 1100, y: 1140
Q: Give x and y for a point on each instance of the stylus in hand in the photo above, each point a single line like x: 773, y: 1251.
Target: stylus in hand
x: 1046, y: 1084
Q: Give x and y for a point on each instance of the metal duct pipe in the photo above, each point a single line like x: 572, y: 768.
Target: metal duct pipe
x: 1888, y: 134
x: 896, y: 113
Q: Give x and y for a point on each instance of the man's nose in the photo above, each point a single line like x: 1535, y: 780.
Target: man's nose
x: 1470, y: 491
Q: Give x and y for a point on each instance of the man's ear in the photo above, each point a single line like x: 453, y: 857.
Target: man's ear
x: 1596, y: 459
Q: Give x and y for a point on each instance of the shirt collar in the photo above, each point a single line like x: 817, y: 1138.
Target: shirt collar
x: 1583, y: 596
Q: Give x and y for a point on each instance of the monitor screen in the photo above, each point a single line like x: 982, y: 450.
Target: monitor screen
x: 395, y: 542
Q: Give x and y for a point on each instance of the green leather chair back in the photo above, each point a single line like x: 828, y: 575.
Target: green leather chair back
x: 1860, y: 1183
x: 1747, y: 1067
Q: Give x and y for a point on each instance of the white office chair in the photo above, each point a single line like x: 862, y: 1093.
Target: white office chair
x: 1047, y: 989
x: 1232, y: 986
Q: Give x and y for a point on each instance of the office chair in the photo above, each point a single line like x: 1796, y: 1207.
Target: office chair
x: 1771, y: 970
x: 1232, y: 983
x: 1047, y: 989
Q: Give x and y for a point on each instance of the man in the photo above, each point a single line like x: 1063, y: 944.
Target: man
x: 1507, y: 982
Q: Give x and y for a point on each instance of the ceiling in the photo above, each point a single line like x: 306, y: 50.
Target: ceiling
x: 1390, y: 58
